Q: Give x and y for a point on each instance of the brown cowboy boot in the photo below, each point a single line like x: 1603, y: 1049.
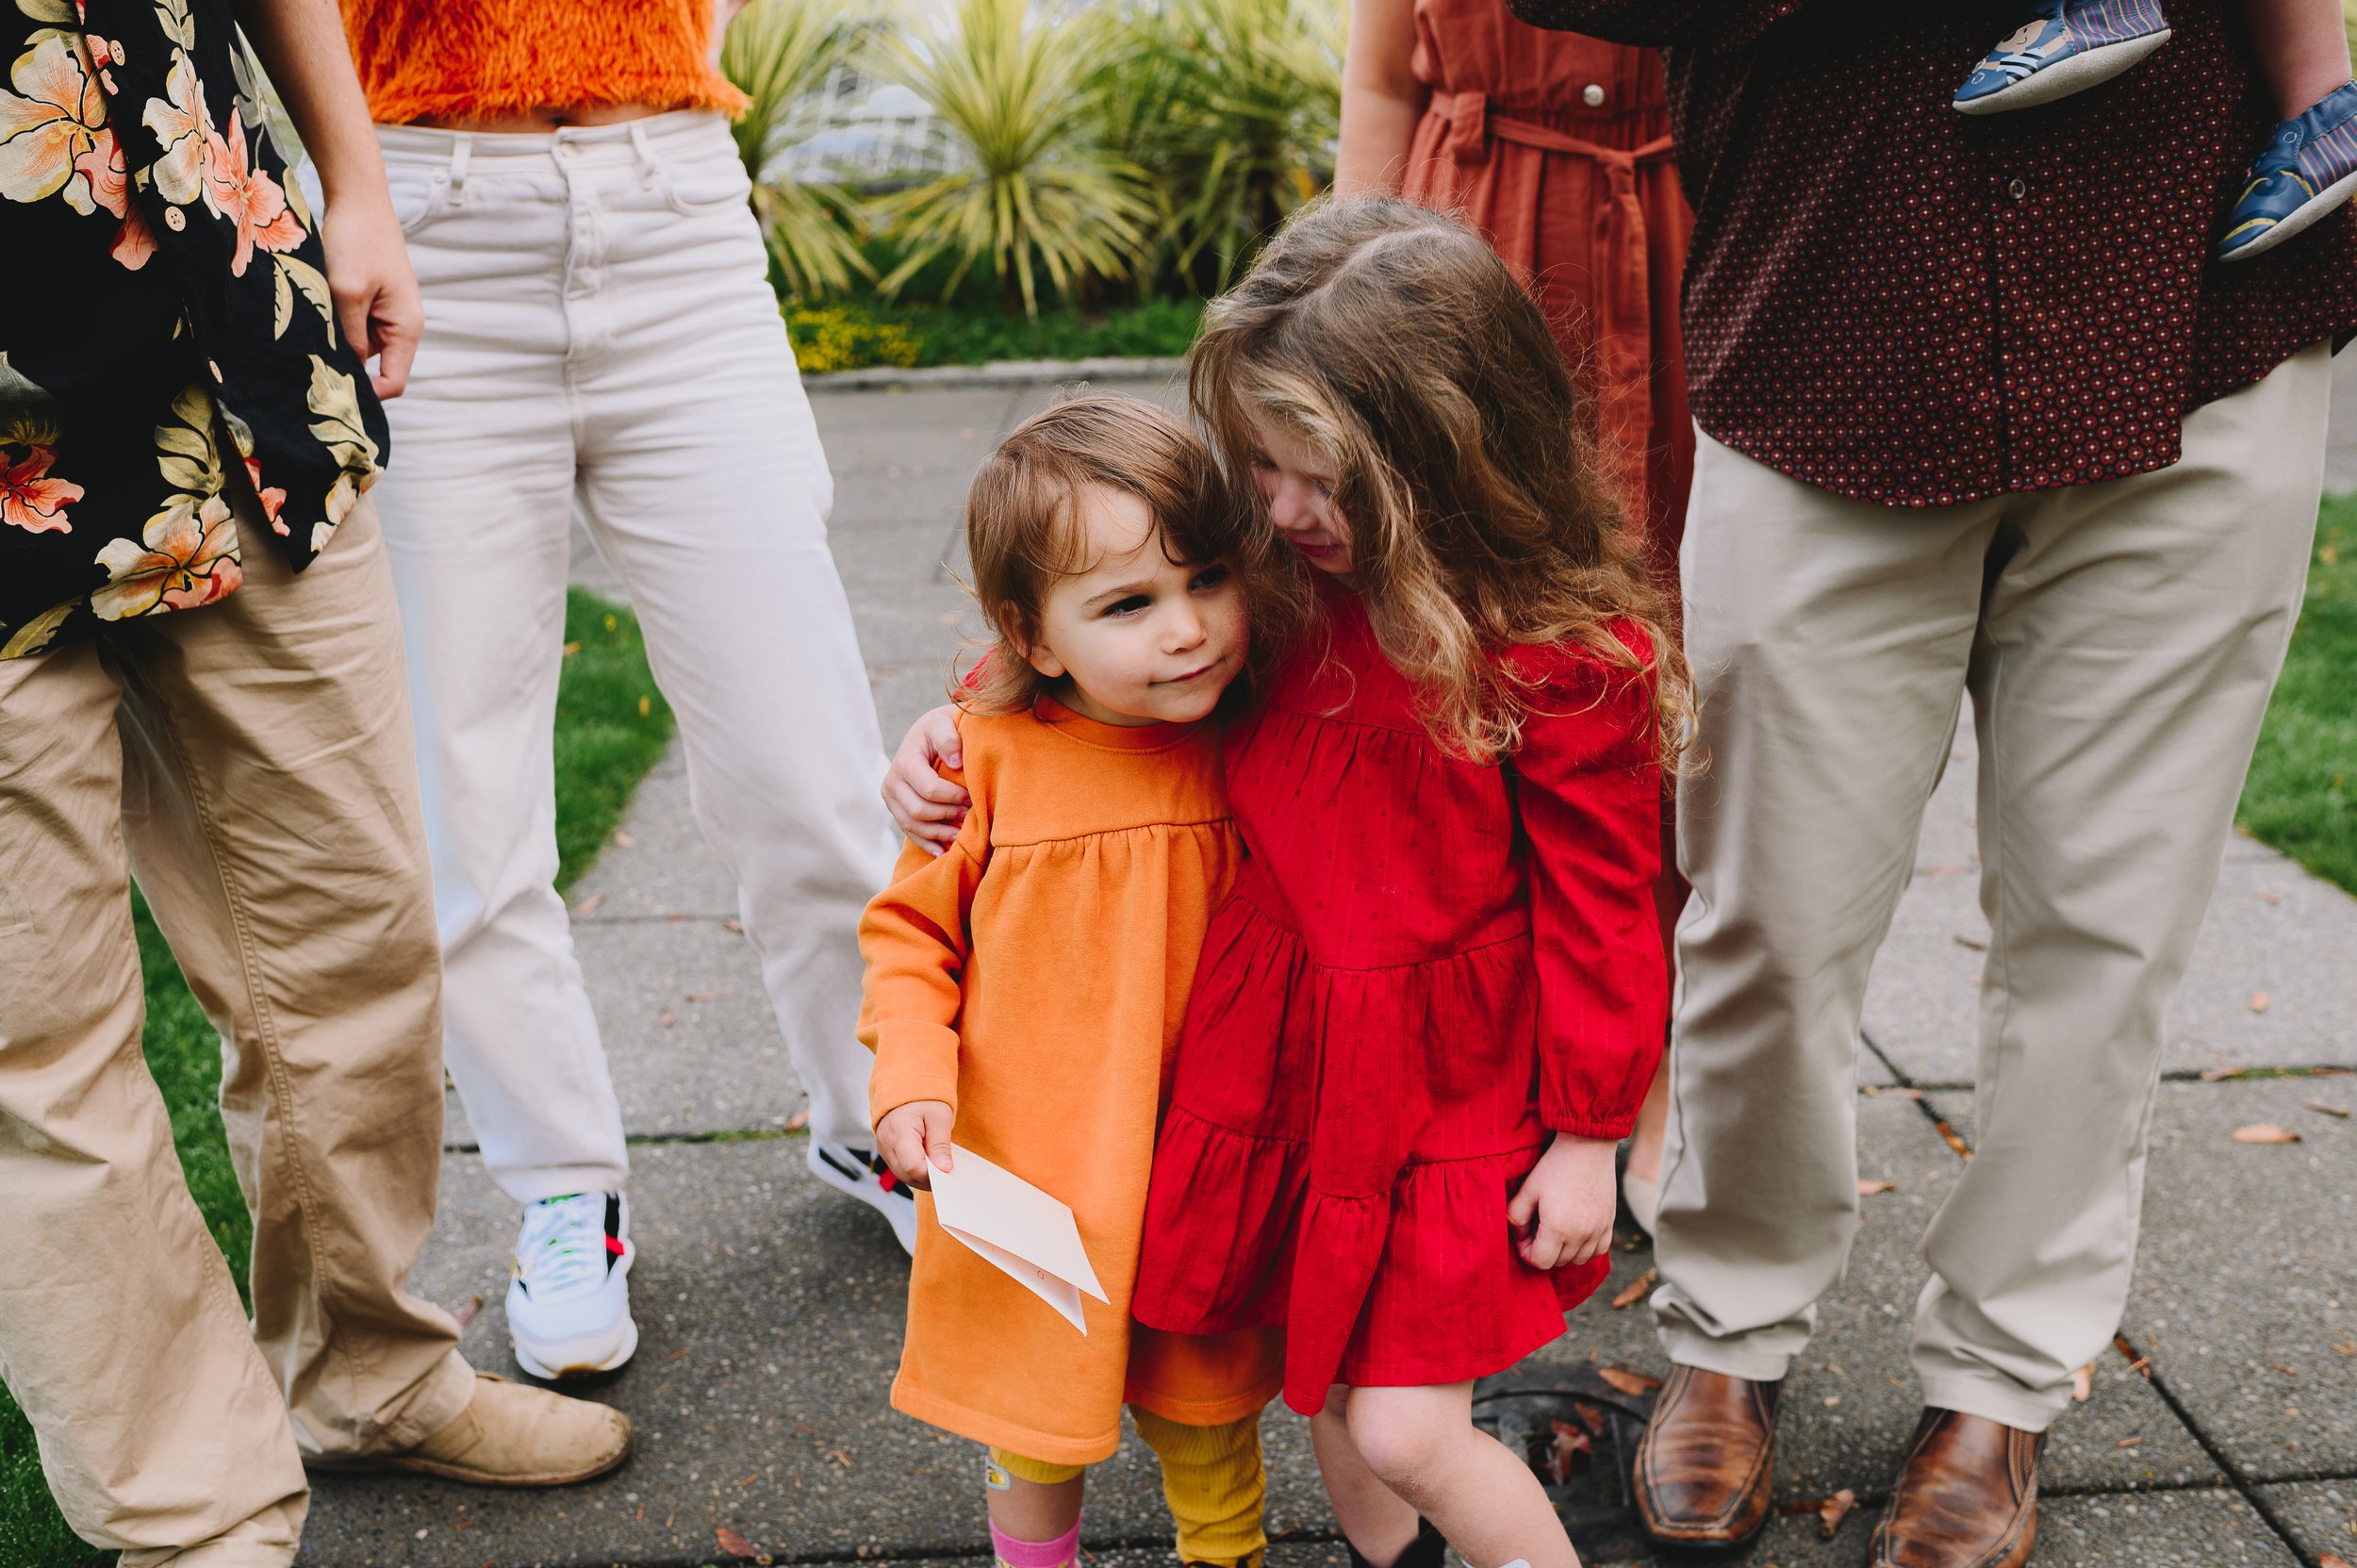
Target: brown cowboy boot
x: 1703, y: 1464
x: 1967, y: 1496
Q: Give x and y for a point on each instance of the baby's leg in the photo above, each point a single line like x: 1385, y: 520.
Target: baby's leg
x: 2302, y: 47
x: 1422, y: 1445
x: 1034, y: 1510
x: 1215, y: 1485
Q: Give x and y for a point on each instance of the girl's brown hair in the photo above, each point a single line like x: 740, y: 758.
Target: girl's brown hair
x: 1023, y: 528
x: 1395, y: 344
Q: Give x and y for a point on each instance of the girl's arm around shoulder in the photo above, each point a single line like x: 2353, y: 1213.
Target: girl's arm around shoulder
x: 916, y: 938
x: 1588, y: 793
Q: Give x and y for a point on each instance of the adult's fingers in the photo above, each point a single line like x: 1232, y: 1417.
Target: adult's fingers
x: 396, y: 349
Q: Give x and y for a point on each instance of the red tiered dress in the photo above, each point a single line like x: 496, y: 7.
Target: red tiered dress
x: 1425, y: 968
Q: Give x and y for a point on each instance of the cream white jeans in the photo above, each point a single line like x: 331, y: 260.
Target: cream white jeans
x: 2118, y: 641
x: 600, y: 334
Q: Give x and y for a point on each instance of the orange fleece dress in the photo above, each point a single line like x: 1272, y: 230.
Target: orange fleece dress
x: 1034, y: 977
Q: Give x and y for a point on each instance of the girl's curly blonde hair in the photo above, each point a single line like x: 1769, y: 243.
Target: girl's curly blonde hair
x: 1394, y: 343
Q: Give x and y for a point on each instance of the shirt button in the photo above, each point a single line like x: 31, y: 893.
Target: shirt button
x: 2017, y: 188
x: 1593, y: 95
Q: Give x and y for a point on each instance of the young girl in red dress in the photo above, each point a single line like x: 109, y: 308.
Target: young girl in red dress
x: 1433, y: 1002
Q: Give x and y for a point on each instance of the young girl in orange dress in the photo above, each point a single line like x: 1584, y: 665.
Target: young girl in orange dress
x: 1024, y: 989
x: 1430, y: 1006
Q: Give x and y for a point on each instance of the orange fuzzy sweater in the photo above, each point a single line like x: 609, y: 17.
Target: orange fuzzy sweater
x: 1034, y: 977
x: 457, y: 59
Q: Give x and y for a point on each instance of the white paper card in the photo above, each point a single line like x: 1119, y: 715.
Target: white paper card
x: 1025, y: 1231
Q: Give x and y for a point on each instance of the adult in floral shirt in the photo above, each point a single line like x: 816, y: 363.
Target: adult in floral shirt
x: 187, y: 425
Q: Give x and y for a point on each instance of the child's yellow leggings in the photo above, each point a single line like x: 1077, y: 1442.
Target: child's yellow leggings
x: 1212, y: 1476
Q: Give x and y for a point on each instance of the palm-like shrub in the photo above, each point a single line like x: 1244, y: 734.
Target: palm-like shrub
x: 1037, y: 190
x: 1234, y: 106
x: 782, y: 54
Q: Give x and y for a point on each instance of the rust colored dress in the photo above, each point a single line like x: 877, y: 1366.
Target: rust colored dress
x: 1557, y: 146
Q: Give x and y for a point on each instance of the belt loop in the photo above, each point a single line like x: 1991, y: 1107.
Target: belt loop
x: 459, y: 153
x: 649, y: 165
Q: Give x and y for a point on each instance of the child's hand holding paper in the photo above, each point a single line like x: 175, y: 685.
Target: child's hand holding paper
x: 1016, y: 1226
x: 914, y: 1140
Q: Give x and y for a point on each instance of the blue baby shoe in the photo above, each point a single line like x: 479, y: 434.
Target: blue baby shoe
x: 2309, y: 167
x: 2065, y: 46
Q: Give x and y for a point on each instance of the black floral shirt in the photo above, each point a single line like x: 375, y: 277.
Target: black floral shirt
x: 166, y: 314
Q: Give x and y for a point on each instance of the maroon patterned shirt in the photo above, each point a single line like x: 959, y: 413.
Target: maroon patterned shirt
x: 1906, y: 305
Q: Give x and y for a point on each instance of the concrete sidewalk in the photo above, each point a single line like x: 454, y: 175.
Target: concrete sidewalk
x: 770, y: 1309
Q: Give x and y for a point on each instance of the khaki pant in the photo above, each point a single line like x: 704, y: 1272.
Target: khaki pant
x: 2118, y: 641
x: 249, y: 762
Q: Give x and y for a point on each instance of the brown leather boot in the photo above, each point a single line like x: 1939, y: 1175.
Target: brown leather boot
x: 1703, y: 1464
x: 1967, y: 1496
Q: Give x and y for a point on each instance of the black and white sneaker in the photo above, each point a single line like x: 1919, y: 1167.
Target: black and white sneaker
x: 568, y: 1299
x: 863, y: 1173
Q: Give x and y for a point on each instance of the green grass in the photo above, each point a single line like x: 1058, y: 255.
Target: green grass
x: 611, y: 727
x: 845, y: 335
x: 2302, y: 793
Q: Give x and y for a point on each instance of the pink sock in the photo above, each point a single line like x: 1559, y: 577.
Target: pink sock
x: 1036, y: 1554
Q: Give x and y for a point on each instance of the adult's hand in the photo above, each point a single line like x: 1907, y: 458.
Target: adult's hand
x: 928, y: 808
x: 376, y: 294
x: 301, y: 46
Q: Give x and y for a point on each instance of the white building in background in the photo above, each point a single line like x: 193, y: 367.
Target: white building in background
x: 874, y: 133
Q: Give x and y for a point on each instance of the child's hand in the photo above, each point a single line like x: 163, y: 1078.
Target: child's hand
x: 927, y: 807
x: 1563, y: 1210
x: 914, y: 1139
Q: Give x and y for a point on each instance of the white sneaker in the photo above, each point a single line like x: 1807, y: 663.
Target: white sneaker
x: 568, y: 1300
x: 861, y: 1173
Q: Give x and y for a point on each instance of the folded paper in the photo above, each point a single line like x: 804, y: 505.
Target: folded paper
x: 1025, y: 1231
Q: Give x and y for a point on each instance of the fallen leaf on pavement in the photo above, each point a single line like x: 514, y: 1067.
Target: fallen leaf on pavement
x: 665, y: 1018
x: 732, y: 923
x: 1631, y: 1384
x: 571, y: 648
x: 466, y: 1314
x: 2319, y: 1106
x: 2137, y: 1362
x: 699, y: 995
x: 2083, y: 1383
x: 2127, y: 1442
x: 2259, y: 1001
x: 2264, y: 897
x: 1636, y: 1290
x: 735, y: 1544
x: 1867, y: 1189
x: 1832, y: 1510
x: 1972, y: 942
x: 2214, y: 1075
x: 798, y: 1120
x: 1964, y: 1150
x: 1589, y: 1417
x: 588, y: 904
x: 1880, y: 1091
x: 624, y: 840
x: 2285, y: 1370
x: 1569, y: 1446
x: 2346, y: 1347
x: 2265, y: 1133
x: 2331, y: 1560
